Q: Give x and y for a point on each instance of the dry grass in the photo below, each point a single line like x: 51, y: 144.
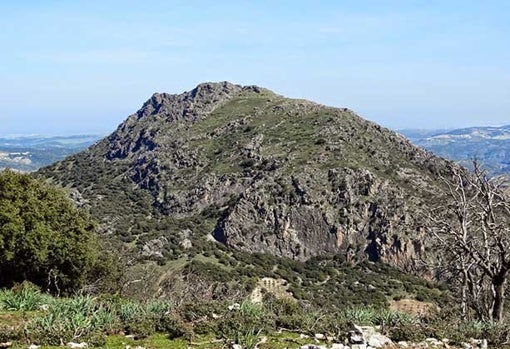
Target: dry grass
x: 414, y: 307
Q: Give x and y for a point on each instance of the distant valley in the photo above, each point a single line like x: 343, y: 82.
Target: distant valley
x: 30, y: 152
x: 490, y: 145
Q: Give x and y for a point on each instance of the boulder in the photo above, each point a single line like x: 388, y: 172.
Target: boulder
x: 368, y: 335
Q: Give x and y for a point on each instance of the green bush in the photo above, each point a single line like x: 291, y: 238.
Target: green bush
x: 176, y: 328
x: 409, y: 332
x: 43, y: 236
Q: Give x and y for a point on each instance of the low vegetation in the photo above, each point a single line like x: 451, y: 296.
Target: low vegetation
x: 29, y: 316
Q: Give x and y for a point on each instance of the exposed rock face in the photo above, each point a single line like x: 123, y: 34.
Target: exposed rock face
x: 265, y: 174
x: 165, y: 108
x: 324, y: 214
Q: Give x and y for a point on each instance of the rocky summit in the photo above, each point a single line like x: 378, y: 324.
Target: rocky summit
x: 257, y: 172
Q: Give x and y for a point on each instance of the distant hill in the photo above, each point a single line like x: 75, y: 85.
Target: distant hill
x: 30, y: 152
x: 490, y: 145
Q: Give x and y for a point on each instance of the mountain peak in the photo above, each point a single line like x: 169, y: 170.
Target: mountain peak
x: 192, y: 104
x: 214, y: 88
x: 261, y: 173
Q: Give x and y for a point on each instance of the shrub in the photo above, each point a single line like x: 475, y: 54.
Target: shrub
x: 43, y: 236
x: 408, y: 332
x: 10, y: 333
x: 143, y: 319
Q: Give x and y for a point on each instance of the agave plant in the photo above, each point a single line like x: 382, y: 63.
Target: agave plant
x: 27, y: 298
x: 361, y: 316
x: 130, y: 311
x: 248, y: 338
x: 158, y: 308
x: 105, y: 319
x: 248, y: 308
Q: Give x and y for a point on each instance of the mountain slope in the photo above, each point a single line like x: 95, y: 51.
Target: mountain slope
x: 490, y: 145
x: 257, y: 172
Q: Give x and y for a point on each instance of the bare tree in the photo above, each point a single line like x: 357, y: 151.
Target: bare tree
x: 473, y: 234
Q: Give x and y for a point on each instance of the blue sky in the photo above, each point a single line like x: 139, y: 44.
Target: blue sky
x: 83, y: 66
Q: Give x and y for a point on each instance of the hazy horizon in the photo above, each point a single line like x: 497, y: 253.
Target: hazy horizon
x: 83, y: 67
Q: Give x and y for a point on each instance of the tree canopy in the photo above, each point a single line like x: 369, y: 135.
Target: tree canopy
x: 44, y: 237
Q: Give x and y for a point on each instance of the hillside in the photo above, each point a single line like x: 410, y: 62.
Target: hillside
x: 259, y: 173
x: 490, y: 145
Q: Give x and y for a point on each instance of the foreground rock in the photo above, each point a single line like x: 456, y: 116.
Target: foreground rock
x: 367, y: 336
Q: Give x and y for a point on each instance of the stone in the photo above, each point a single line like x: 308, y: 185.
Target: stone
x: 378, y: 340
x: 154, y: 248
x: 77, y: 345
x: 356, y: 338
x: 433, y: 341
x: 319, y: 336
x: 235, y: 306
x: 403, y: 344
x: 368, y: 335
x: 186, y: 244
x: 478, y: 343
x: 338, y: 346
x: 358, y: 346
